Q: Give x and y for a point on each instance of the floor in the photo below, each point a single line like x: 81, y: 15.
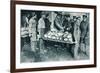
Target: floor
x: 50, y: 53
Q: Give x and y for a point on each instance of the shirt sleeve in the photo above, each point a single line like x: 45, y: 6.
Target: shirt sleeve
x: 58, y: 25
x: 41, y: 24
x: 30, y: 26
x: 26, y: 20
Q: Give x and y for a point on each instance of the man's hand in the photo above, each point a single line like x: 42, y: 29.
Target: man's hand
x: 62, y: 30
x: 30, y: 34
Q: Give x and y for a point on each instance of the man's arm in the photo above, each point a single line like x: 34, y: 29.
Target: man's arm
x: 58, y: 25
x: 30, y: 27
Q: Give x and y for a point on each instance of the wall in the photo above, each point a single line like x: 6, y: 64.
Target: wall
x: 5, y: 36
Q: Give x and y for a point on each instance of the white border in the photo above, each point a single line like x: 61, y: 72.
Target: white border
x: 52, y: 64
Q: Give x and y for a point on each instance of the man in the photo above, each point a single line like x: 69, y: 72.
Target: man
x: 76, y: 34
x: 77, y: 29
x: 47, y: 23
x: 72, y: 21
x: 32, y: 31
x: 84, y: 27
x: 24, y: 30
x: 24, y: 20
x: 67, y: 24
x: 41, y: 30
x: 58, y: 22
x: 70, y: 25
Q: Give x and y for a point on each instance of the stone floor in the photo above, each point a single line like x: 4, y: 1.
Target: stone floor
x: 50, y: 53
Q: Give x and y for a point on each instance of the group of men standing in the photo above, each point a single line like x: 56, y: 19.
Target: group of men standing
x: 77, y: 27
x: 35, y: 26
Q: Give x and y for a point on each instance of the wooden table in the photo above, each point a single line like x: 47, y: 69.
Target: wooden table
x: 74, y: 52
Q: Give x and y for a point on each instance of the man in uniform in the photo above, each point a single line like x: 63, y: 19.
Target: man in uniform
x: 84, y: 27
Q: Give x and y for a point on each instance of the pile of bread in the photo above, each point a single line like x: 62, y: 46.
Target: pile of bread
x: 58, y: 35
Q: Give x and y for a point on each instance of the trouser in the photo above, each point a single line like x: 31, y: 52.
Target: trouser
x: 77, y: 40
x: 24, y: 40
x: 41, y: 45
x: 84, y: 46
x: 75, y: 50
x: 41, y: 32
x: 33, y: 46
x: 41, y: 42
x: 35, y: 51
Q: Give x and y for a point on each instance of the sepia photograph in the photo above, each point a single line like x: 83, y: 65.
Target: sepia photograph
x: 52, y: 36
